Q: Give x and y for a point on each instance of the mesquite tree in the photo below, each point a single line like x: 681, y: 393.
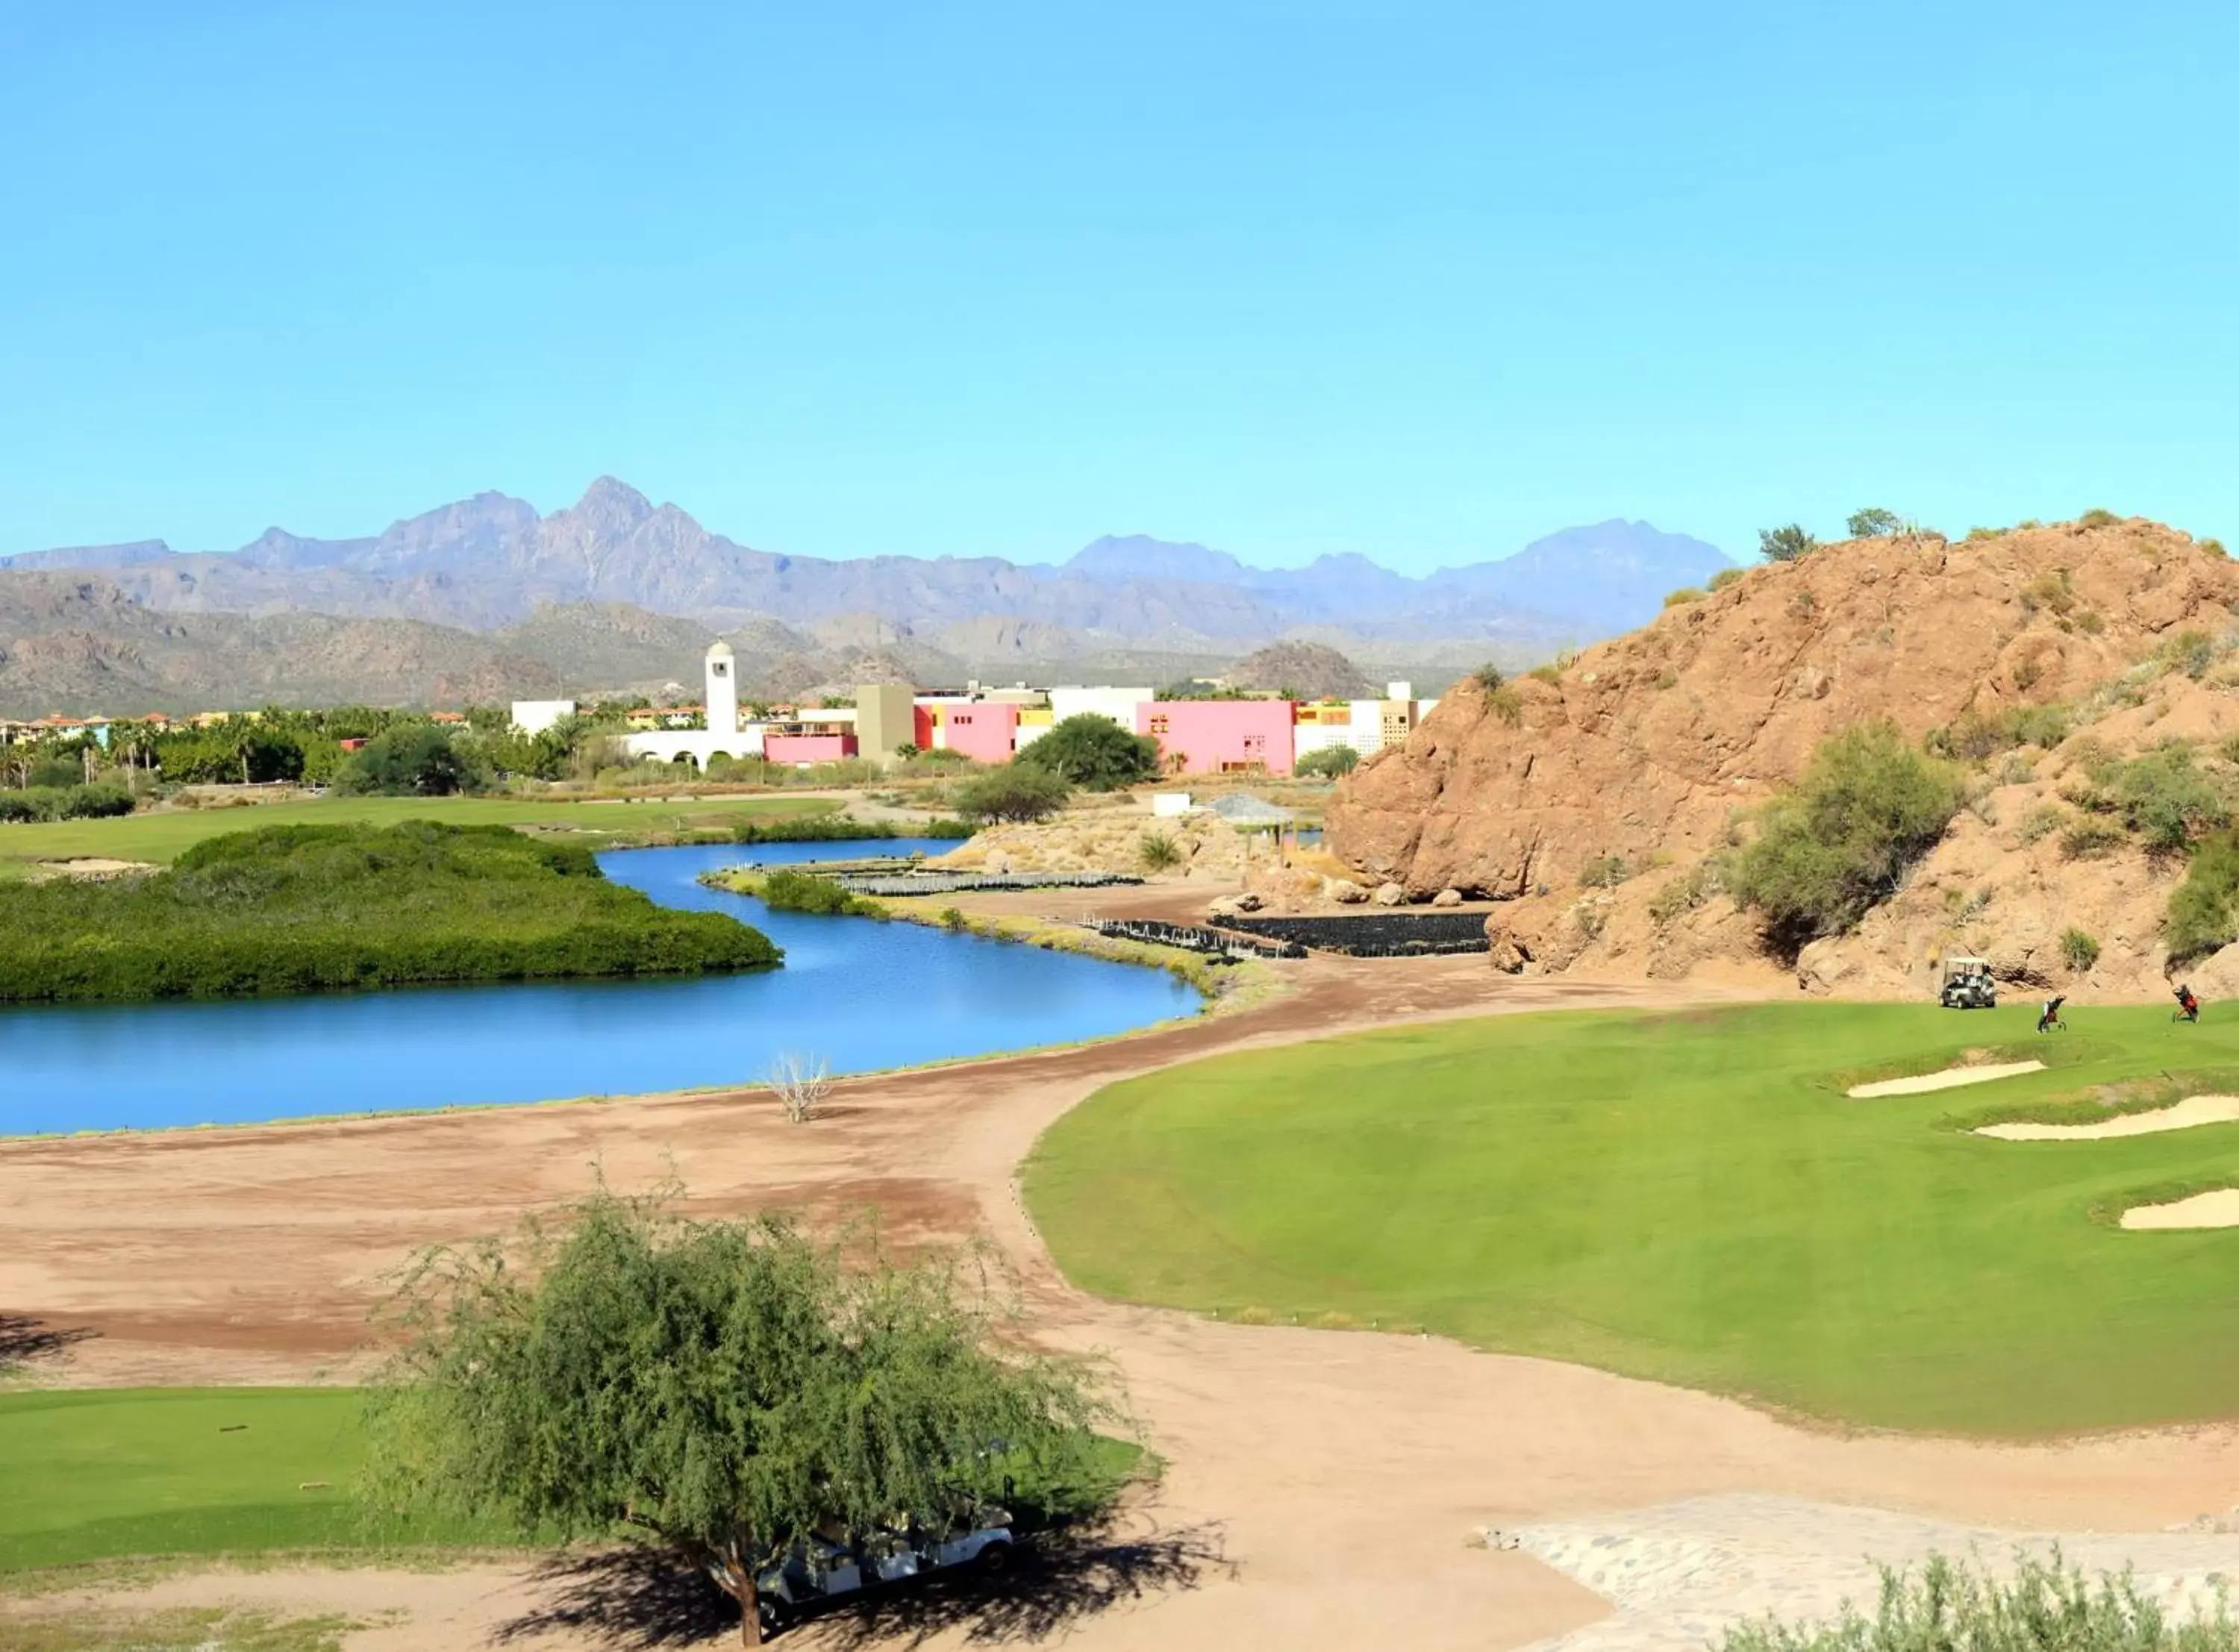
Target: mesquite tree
x: 720, y: 1388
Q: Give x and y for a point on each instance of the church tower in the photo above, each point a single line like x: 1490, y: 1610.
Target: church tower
x: 722, y: 698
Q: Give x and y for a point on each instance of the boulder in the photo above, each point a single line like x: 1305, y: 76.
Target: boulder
x: 1344, y: 891
x: 1391, y: 894
x: 1447, y: 897
x: 1233, y: 906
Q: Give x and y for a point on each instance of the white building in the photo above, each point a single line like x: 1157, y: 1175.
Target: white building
x: 534, y: 716
x: 1118, y: 704
x: 721, y: 737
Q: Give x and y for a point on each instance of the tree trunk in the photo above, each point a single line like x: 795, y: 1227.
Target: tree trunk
x: 727, y: 1566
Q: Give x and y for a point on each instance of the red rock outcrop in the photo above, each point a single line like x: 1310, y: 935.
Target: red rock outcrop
x: 1652, y: 748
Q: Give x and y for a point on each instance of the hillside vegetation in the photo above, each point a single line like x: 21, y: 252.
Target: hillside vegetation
x: 2068, y: 699
x: 311, y: 908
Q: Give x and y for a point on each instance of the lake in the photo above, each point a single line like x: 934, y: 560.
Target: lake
x: 860, y: 994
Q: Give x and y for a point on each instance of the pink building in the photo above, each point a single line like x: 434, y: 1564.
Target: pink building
x: 1211, y: 736
x: 984, y: 730
x: 808, y: 748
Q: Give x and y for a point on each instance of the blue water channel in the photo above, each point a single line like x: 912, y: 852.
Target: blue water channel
x: 860, y: 994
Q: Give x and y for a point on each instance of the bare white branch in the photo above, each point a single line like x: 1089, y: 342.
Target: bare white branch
x: 800, y: 1082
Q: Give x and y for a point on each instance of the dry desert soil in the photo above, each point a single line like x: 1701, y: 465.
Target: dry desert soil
x: 1323, y: 1489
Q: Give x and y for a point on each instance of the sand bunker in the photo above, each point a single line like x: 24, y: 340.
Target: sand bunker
x: 2217, y: 1209
x: 1950, y: 1078
x: 2193, y: 1110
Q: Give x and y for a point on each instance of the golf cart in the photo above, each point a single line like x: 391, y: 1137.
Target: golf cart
x: 831, y: 1563
x: 1968, y: 986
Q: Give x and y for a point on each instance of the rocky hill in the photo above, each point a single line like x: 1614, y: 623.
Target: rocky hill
x: 1598, y: 802
x: 1310, y: 670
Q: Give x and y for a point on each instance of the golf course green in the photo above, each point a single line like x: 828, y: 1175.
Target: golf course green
x: 97, y: 1473
x: 1692, y: 1198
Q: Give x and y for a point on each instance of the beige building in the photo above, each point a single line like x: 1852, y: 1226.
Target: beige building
x: 885, y: 718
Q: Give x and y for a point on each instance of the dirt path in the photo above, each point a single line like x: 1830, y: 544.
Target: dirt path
x: 1323, y: 1486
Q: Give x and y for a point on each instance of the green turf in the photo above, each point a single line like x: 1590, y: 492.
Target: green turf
x: 95, y: 1474
x: 1689, y: 1197
x: 161, y: 836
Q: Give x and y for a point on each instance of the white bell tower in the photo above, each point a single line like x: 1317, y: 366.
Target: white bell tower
x: 722, y: 698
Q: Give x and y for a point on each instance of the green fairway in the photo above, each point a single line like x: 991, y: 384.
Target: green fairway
x: 1691, y: 1197
x: 161, y: 837
x: 95, y: 1474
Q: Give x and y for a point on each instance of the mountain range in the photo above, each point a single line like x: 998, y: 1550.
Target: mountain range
x: 615, y: 592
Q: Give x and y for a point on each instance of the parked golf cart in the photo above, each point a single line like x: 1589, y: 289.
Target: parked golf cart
x: 1968, y: 986
x: 830, y: 1566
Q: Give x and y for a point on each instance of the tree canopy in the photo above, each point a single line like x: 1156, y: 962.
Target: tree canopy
x: 1874, y: 522
x: 719, y: 1389
x: 1016, y: 790
x: 1094, y: 753
x: 416, y: 759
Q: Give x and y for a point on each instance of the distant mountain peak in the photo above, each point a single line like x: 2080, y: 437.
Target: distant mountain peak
x: 609, y: 499
x: 1139, y: 556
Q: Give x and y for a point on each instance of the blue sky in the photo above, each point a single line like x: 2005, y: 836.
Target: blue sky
x: 1418, y: 280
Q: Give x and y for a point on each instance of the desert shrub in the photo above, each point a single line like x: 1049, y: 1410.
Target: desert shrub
x: 1667, y: 678
x: 2051, y: 591
x: 2203, y: 910
x: 1093, y: 752
x: 786, y: 889
x: 2189, y: 651
x: 1604, y: 871
x: 2097, y: 518
x: 1785, y: 544
x: 954, y: 920
x: 1684, y: 595
x: 2089, y: 621
x: 1725, y: 577
x: 2214, y: 548
x: 2089, y: 838
x: 2162, y: 797
x: 1867, y: 809
x: 1975, y: 535
x: 841, y: 828
x: 1974, y: 736
x: 2043, y: 822
x: 1873, y: 523
x: 1014, y: 791
x: 2049, y: 1606
x: 1545, y: 673
x: 1488, y: 679
x: 1158, y: 852
x: 1331, y: 763
x: 2078, y: 950
x: 1685, y: 893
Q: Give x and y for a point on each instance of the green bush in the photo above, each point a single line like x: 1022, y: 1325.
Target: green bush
x: 954, y: 920
x: 2190, y: 652
x: 2078, y: 950
x: 2089, y: 838
x: 65, y: 803
x: 1785, y: 544
x: 1975, y: 735
x: 1331, y: 762
x: 2048, y: 1607
x: 2162, y: 797
x: 1093, y: 752
x: 302, y: 909
x: 1681, y: 597
x: 1868, y: 807
x: 2097, y: 518
x: 2203, y: 910
x: 1017, y: 791
x: 786, y: 890
x: 1604, y: 871
x: 2214, y: 548
x: 1685, y: 893
x: 1725, y: 577
x: 1158, y: 852
x: 832, y: 828
x: 1873, y: 523
x: 418, y: 759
